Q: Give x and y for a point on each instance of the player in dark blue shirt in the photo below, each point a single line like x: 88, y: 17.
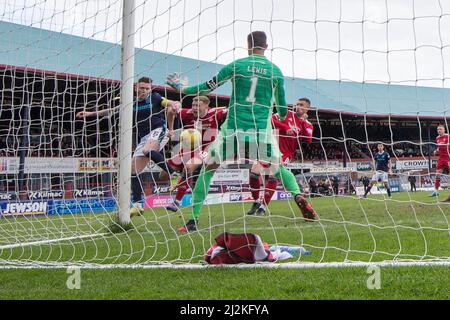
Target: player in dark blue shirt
x: 383, y: 167
x: 150, y: 132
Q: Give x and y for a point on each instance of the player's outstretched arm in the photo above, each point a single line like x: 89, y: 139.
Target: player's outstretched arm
x: 85, y: 114
x: 101, y: 113
x: 281, y: 126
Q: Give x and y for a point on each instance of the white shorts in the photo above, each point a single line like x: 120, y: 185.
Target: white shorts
x: 159, y: 134
x: 380, y: 176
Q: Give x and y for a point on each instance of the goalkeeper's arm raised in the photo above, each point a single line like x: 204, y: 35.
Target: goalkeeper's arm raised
x: 180, y: 84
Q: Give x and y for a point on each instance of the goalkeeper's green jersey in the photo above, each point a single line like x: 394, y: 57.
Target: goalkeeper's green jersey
x: 257, y: 84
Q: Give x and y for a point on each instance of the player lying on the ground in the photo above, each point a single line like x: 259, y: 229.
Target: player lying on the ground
x: 383, y: 168
x: 294, y: 129
x: 233, y: 248
x: 443, y: 165
x: 149, y: 128
x: 199, y: 118
x: 256, y: 84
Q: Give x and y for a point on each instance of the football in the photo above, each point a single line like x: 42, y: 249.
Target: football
x: 190, y: 139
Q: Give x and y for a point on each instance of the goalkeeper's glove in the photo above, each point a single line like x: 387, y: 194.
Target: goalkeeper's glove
x: 175, y: 81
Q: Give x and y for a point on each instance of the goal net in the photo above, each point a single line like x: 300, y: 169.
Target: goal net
x: 76, y: 114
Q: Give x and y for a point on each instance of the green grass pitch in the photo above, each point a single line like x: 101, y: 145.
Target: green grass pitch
x: 410, y: 226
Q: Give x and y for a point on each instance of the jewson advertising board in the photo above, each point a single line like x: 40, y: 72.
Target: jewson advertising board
x: 23, y: 208
x: 72, y: 206
x: 63, y: 206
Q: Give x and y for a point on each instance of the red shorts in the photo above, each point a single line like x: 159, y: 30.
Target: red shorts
x: 443, y: 163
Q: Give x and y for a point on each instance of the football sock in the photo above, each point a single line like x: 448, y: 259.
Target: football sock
x: 160, y: 161
x: 255, y: 184
x: 437, y: 184
x: 271, y: 185
x: 136, y: 188
x: 182, y: 187
x: 287, y: 179
x: 200, y: 191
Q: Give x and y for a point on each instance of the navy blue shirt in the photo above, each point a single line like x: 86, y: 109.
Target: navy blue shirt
x: 149, y: 114
x: 382, y: 160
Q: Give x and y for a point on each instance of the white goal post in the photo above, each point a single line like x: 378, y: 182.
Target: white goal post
x: 126, y: 112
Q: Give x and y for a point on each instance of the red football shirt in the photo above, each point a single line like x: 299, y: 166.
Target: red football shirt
x: 303, y: 131
x: 207, y: 125
x: 443, y: 143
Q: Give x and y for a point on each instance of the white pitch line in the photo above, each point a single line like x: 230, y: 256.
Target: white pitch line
x: 35, y: 243
x: 249, y: 229
x: 260, y: 265
x: 47, y: 241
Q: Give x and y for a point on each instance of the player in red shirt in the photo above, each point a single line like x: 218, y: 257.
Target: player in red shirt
x: 292, y: 130
x: 443, y: 165
x: 207, y: 121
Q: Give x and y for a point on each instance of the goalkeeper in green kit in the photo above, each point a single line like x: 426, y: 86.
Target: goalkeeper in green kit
x: 247, y: 131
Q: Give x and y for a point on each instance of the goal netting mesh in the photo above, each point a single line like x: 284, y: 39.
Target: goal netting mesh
x: 376, y: 72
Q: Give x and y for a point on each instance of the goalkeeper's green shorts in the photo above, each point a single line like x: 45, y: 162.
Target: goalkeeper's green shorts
x: 237, y: 146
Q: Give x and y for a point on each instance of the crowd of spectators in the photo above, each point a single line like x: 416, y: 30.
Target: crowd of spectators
x: 332, y: 150
x: 329, y: 150
x: 63, y: 143
x: 329, y: 185
x: 412, y: 150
